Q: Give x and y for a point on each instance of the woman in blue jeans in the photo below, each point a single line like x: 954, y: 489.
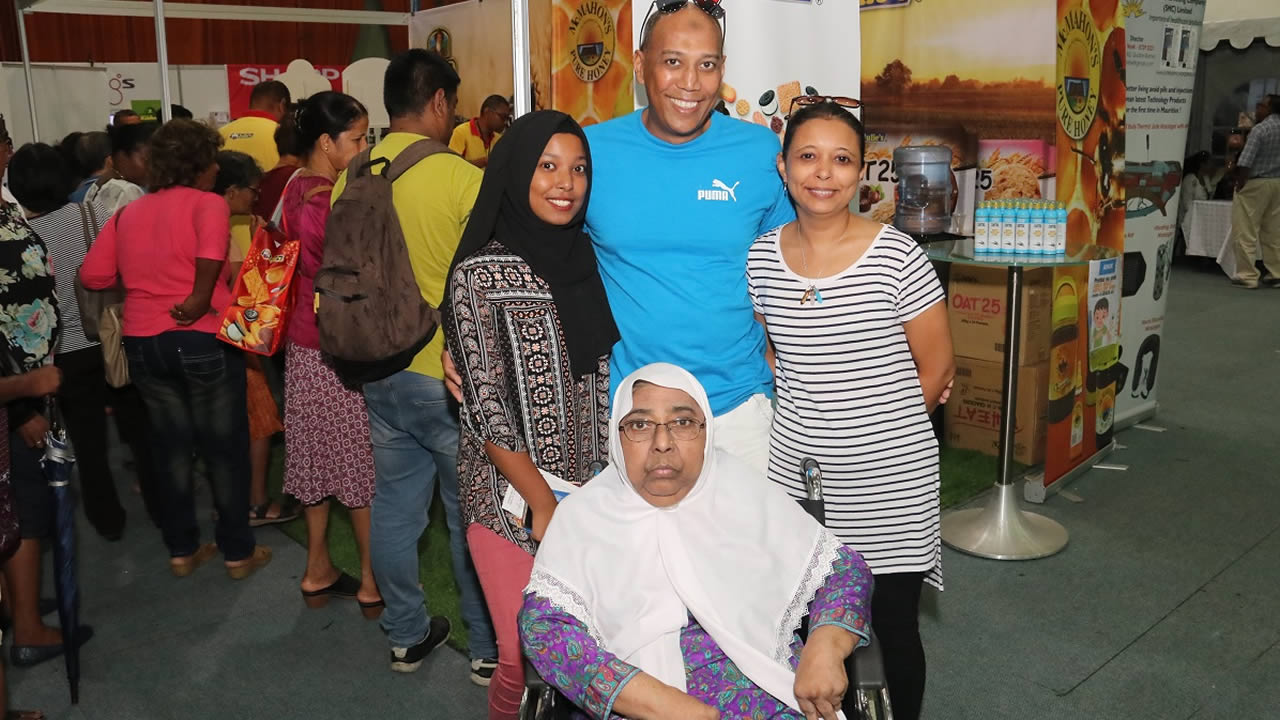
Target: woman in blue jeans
x: 169, y: 249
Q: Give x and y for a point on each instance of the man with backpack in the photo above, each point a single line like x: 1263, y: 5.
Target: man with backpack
x: 379, y: 325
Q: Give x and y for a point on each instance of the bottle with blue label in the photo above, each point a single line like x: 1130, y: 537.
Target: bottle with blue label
x: 1036, y: 245
x: 1022, y: 229
x: 1050, y: 228
x: 1061, y: 215
x: 1008, y: 225
x: 981, y: 228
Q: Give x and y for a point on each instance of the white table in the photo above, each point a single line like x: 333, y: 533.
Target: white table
x: 1207, y: 228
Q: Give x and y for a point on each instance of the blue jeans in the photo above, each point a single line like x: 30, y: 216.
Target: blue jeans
x: 415, y: 439
x: 194, y: 390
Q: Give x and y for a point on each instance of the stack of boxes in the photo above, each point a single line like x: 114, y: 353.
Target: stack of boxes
x: 977, y: 301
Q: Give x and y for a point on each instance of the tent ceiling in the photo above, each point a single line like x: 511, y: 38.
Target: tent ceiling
x: 143, y: 8
x: 1240, y: 22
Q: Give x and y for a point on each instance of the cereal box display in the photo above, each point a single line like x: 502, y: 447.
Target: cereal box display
x: 1012, y: 169
x: 877, y: 196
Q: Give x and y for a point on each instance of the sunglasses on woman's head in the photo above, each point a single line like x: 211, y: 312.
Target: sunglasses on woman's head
x: 805, y: 101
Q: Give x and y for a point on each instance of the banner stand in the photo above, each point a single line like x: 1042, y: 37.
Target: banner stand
x: 1034, y: 490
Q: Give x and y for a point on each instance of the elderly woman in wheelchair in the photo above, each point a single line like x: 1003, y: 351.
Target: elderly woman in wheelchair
x: 674, y: 583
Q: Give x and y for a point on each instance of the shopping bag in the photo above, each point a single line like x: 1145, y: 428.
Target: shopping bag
x: 256, y: 321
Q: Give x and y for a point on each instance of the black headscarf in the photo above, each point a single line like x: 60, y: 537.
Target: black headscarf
x: 561, y: 255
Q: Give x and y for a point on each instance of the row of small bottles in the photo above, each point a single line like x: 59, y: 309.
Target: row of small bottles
x: 1022, y: 227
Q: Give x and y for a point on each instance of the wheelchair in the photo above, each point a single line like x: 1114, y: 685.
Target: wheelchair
x: 866, y: 699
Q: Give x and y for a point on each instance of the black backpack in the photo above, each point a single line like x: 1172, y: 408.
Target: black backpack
x: 370, y: 311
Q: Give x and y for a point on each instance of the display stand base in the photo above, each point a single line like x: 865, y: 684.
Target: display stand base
x: 1034, y: 490
x: 1002, y: 530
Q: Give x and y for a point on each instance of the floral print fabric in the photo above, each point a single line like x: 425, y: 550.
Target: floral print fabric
x: 518, y: 391
x: 28, y: 303
x: 591, y: 678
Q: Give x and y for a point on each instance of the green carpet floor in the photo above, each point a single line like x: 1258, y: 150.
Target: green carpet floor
x: 965, y: 474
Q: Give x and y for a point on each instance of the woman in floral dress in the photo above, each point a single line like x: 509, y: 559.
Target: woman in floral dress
x: 529, y: 326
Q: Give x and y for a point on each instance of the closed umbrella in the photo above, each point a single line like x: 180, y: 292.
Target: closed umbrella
x: 59, y: 459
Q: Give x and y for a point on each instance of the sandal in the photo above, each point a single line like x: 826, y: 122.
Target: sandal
x: 289, y: 511
x: 24, y: 715
x: 344, y: 587
x: 185, y: 565
x: 372, y: 610
x: 244, y: 568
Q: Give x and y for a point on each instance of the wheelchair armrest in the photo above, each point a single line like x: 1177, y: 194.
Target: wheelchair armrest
x: 532, y: 679
x: 866, y: 667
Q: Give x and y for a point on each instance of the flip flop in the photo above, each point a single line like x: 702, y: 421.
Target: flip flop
x: 243, y: 569
x: 372, y: 610
x: 184, y: 566
x: 290, y: 509
x: 344, y: 587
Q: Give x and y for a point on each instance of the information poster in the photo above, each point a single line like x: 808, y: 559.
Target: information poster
x: 931, y: 74
x: 763, y: 70
x: 1090, y: 102
x: 1163, y: 37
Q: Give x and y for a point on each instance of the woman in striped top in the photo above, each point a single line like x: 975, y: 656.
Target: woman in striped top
x: 862, y: 354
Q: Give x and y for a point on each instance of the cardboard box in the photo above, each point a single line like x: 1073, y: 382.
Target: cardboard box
x: 977, y: 297
x: 973, y: 412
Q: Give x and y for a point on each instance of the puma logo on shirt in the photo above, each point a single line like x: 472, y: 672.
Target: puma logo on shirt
x: 721, y: 192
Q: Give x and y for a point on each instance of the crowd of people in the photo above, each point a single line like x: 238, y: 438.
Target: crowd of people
x: 628, y: 376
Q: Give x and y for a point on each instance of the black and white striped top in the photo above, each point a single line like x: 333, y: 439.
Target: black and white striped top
x: 63, y: 234
x: 849, y: 396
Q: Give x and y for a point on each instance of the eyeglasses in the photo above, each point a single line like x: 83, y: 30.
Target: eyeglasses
x: 643, y: 430
x: 806, y: 100
x: 666, y: 7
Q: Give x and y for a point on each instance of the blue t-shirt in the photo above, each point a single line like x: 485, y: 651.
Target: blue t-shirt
x: 672, y: 225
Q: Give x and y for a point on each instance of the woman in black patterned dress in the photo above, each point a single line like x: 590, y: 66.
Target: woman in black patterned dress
x: 529, y: 327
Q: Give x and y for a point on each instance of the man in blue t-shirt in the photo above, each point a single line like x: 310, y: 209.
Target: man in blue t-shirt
x: 679, y: 194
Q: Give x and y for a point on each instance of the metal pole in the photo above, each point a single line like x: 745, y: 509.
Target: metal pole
x: 162, y: 56
x: 1008, y: 406
x: 26, y: 71
x: 521, y: 74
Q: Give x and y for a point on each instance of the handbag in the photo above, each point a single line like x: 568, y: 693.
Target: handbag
x: 111, y: 334
x: 263, y: 291
x: 10, y: 535
x: 94, y: 302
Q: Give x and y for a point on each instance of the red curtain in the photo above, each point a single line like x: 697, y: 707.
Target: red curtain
x: 83, y: 38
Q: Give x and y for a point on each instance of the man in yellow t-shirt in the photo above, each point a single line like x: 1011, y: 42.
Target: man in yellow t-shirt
x: 414, y: 433
x: 254, y: 134
x: 474, y: 140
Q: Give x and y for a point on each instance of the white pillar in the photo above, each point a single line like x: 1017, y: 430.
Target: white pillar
x: 520, y: 71
x: 26, y: 71
x: 162, y: 55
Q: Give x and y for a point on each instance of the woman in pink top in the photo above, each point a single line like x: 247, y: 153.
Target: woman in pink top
x: 327, y: 448
x: 169, y: 249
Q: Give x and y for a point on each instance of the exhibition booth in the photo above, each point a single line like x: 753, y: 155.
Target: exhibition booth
x: 1079, y: 113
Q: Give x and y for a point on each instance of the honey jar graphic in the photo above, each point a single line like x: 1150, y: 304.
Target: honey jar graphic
x: 1063, y: 352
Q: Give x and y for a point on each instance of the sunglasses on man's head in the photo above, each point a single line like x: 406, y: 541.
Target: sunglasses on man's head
x: 710, y: 7
x: 805, y: 101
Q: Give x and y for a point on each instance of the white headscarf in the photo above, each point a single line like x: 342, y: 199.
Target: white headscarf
x: 736, y: 552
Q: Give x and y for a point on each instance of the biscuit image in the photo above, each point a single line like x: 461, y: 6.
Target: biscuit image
x: 809, y: 90
x: 769, y: 103
x: 728, y: 94
x: 776, y: 124
x: 787, y: 93
x: 743, y: 107
x: 759, y: 119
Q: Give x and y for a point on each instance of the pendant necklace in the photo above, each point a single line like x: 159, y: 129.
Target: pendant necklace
x: 812, y: 292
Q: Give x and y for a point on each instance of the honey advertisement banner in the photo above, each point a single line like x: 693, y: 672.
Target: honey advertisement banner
x: 1163, y: 37
x: 926, y: 81
x: 778, y: 50
x: 592, y: 76
x: 1090, y: 111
